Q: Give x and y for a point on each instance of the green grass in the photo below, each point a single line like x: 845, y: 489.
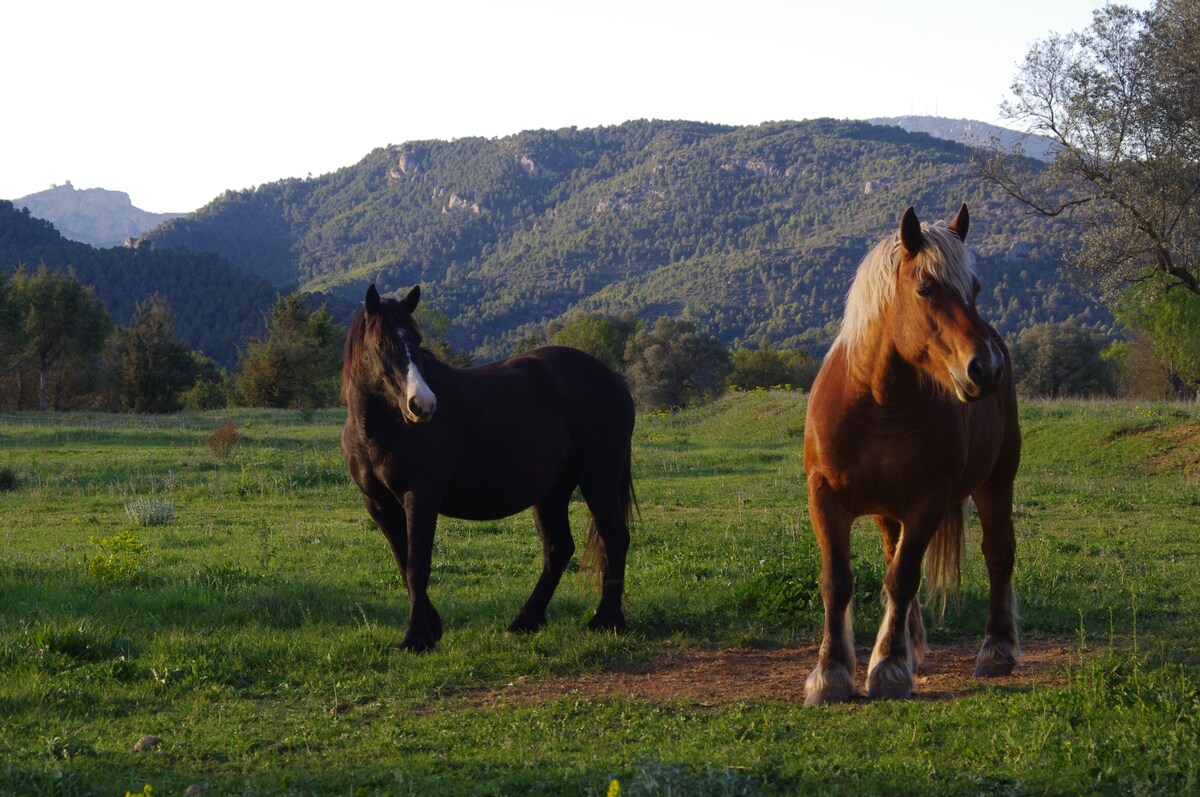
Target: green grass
x: 268, y: 598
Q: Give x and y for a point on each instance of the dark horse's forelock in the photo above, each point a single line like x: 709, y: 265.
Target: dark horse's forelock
x: 352, y: 354
x: 390, y: 316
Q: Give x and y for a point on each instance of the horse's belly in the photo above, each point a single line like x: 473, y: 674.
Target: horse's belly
x: 498, y: 493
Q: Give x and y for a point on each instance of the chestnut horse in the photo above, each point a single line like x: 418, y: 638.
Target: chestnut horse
x: 422, y: 439
x: 913, y: 412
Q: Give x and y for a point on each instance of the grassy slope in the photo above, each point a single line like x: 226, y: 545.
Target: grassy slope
x: 270, y: 599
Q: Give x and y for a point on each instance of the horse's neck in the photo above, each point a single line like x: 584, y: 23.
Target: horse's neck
x: 876, y: 369
x: 365, y: 406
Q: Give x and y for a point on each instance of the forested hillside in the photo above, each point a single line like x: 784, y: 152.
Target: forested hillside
x: 752, y: 231
x: 215, y: 304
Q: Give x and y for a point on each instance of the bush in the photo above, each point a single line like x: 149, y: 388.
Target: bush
x: 224, y: 439
x: 120, y: 560
x: 203, y: 395
x: 675, y: 366
x: 1060, y: 360
x: 768, y: 367
x: 150, y: 511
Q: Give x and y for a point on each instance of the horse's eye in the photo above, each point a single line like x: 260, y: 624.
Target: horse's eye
x: 926, y: 289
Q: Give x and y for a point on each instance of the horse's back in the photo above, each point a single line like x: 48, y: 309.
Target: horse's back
x: 572, y: 380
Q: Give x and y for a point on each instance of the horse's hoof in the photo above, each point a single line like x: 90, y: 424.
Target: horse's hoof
x: 614, y: 624
x: 524, y: 625
x: 415, y: 643
x: 993, y: 667
x: 995, y: 660
x: 890, y: 680
x: 888, y: 692
x: 831, y: 685
x: 416, y: 646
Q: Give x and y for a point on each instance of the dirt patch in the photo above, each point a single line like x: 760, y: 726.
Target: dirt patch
x: 724, y: 676
x: 1184, y: 451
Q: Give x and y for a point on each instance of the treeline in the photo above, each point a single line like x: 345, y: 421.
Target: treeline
x: 60, y: 350
x: 216, y: 304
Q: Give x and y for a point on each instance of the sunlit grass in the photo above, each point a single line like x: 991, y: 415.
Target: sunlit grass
x: 256, y: 633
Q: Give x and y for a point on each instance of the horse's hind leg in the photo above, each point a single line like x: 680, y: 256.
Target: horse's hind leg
x: 610, y: 524
x: 1001, y: 647
x: 554, y: 528
x: 832, y: 680
x: 917, y: 645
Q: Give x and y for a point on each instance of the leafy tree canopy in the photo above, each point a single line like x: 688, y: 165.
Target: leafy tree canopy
x: 1121, y: 100
x: 674, y: 365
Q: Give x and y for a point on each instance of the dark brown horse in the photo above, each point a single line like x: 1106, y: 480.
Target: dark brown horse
x: 423, y: 439
x: 912, y: 413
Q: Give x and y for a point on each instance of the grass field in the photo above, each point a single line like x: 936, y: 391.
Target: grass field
x: 254, y: 632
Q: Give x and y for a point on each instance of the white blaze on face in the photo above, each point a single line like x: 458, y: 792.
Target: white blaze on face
x: 421, y: 401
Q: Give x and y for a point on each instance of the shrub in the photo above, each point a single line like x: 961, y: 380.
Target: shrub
x: 119, y: 561
x: 150, y: 511
x: 203, y: 395
x: 224, y: 439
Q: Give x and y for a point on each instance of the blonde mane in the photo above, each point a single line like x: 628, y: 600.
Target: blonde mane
x: 943, y: 259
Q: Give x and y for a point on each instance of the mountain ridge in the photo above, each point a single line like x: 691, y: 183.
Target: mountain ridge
x: 97, y: 216
x: 754, y: 231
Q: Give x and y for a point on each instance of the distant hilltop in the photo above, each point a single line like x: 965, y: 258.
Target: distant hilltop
x: 971, y: 133
x: 93, y: 216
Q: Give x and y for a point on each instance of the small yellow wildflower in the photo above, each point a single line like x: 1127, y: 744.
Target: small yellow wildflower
x: 614, y: 788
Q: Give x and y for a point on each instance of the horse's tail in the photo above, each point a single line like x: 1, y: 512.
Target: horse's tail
x: 593, y: 559
x: 943, y: 557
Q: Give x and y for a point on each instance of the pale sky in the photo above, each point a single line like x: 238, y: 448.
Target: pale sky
x: 175, y: 102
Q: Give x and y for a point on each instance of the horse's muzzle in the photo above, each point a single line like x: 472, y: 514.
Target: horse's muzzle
x: 983, y: 375
x: 418, y: 412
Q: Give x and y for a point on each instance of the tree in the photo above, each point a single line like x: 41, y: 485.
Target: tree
x: 601, y: 336
x: 1169, y: 321
x: 148, y: 365
x: 674, y: 365
x: 768, y: 367
x: 64, y: 328
x: 297, y: 361
x: 1121, y: 102
x: 12, y: 338
x: 1060, y: 360
x: 435, y: 326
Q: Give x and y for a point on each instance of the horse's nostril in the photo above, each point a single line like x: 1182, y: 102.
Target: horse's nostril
x: 976, y: 371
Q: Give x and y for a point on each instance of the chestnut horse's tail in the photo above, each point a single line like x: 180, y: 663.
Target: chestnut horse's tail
x: 943, y: 556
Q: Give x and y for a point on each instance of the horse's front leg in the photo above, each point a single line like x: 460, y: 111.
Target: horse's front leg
x: 832, y: 681
x: 895, y: 657
x: 917, y: 645
x: 424, y: 624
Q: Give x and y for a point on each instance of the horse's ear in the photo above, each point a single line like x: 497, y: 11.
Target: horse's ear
x: 409, y: 302
x: 372, y: 300
x: 910, y: 231
x: 960, y: 224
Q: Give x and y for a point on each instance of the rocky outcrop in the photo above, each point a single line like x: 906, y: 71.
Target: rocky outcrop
x: 93, y: 216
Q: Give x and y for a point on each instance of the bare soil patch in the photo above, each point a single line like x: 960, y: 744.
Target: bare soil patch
x: 719, y: 677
